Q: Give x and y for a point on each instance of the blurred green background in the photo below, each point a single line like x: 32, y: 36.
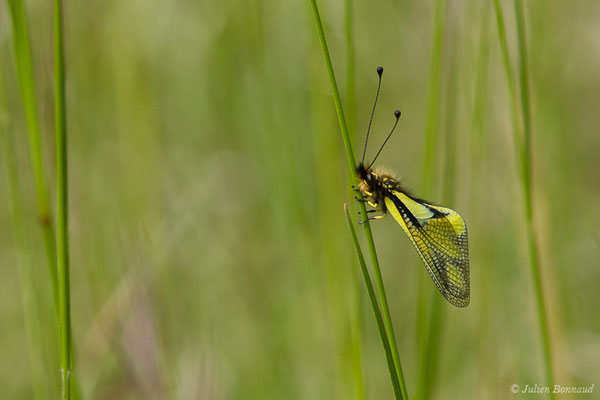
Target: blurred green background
x: 210, y: 256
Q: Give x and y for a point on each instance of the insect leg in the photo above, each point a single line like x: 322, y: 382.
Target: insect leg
x: 384, y: 211
x: 369, y: 202
x: 368, y: 212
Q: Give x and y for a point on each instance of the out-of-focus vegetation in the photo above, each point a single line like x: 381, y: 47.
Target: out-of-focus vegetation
x: 210, y: 256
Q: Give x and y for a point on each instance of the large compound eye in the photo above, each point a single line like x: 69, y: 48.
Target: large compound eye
x: 369, y: 177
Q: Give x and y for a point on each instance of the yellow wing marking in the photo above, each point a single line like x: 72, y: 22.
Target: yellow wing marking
x: 417, y: 209
x: 455, y: 220
x: 440, y: 236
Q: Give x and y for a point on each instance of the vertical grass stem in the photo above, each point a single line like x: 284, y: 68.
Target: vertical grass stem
x: 62, y: 205
x: 522, y: 139
x: 534, y: 261
x: 374, y: 306
x: 25, y: 73
x: 352, y: 166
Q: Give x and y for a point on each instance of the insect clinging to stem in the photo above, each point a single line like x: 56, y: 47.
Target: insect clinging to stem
x: 438, y: 234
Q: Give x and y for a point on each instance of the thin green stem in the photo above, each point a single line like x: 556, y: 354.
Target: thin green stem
x: 367, y: 227
x: 62, y: 205
x: 433, y: 95
x: 426, y: 315
x: 534, y: 261
x: 478, y: 163
x: 480, y: 98
x: 524, y: 78
x: 22, y: 251
x: 350, y: 67
x: 437, y: 310
x: 522, y: 139
x: 374, y: 306
x: 510, y: 80
x: 25, y: 73
x: 334, y: 90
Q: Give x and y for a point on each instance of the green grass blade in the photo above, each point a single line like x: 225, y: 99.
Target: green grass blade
x: 509, y: 78
x: 426, y: 297
x: 522, y: 139
x: 367, y: 227
x: 334, y: 90
x: 374, y: 306
x: 22, y: 48
x: 433, y: 96
x: 22, y: 250
x: 62, y: 205
x: 350, y: 68
x: 534, y: 261
x: 437, y: 311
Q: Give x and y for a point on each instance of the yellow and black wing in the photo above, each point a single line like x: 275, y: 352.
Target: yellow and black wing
x: 440, y: 236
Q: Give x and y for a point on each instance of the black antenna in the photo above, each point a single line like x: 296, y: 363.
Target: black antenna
x: 397, y: 113
x: 379, y: 72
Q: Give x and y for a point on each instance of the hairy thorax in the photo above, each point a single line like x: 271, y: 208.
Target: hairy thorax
x: 375, y: 183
